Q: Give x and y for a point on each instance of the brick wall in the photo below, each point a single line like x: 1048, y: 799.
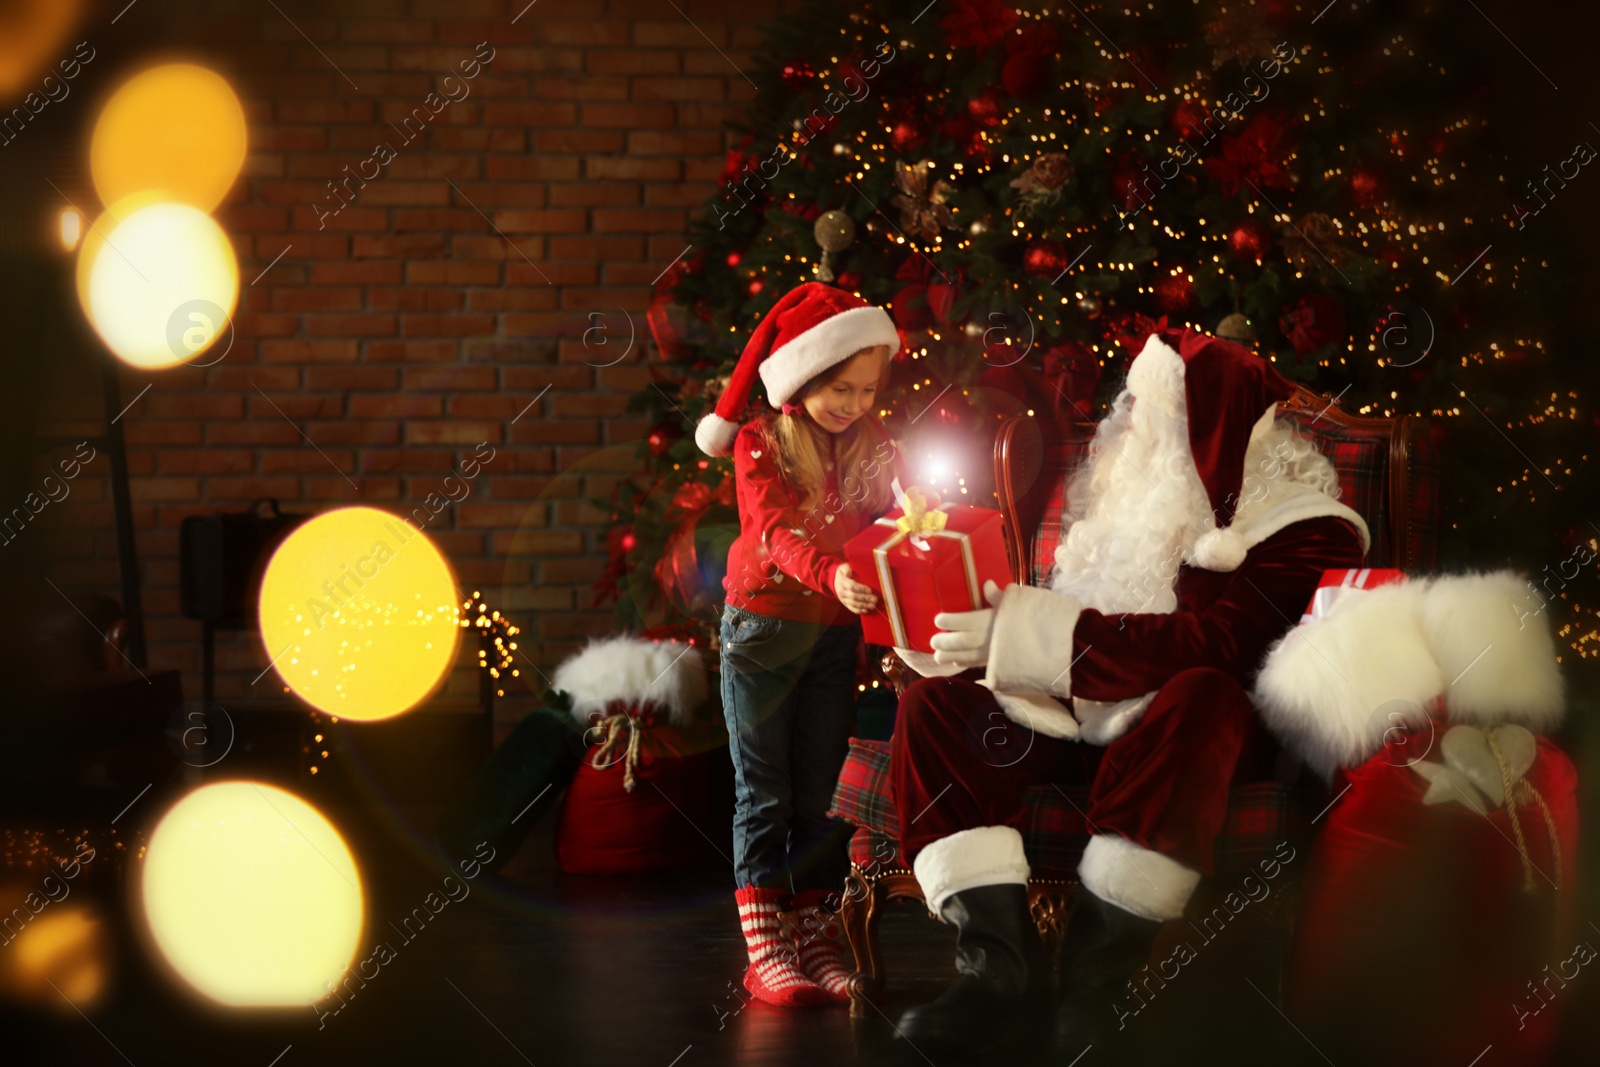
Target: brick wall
x: 380, y: 348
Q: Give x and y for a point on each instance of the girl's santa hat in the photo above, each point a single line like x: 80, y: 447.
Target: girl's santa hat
x: 811, y: 328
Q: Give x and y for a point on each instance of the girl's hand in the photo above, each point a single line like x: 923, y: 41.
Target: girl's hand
x: 852, y: 594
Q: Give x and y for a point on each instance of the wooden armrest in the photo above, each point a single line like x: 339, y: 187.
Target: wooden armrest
x: 895, y: 669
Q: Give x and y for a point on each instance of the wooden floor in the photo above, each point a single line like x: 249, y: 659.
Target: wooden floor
x: 536, y: 968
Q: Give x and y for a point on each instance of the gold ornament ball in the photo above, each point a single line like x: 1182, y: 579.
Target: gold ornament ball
x: 1089, y: 305
x: 1237, y: 327
x: 834, y: 231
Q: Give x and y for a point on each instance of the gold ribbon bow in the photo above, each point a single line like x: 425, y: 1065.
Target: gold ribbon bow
x: 919, y: 519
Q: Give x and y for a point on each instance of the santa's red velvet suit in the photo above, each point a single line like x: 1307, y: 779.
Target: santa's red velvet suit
x: 1203, y: 534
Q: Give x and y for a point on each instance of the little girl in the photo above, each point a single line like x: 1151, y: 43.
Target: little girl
x: 810, y: 476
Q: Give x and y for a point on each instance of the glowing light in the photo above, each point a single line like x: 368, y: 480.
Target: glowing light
x: 251, y: 895
x: 358, y: 614
x: 177, y: 130
x: 61, y: 955
x: 70, y: 227
x: 158, y: 281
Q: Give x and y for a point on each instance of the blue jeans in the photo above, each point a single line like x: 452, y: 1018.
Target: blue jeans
x: 788, y: 694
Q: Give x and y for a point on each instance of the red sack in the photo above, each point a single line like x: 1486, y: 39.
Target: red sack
x: 660, y: 826
x: 1417, y: 935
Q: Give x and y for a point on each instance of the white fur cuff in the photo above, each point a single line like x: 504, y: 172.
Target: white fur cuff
x: 1040, y: 713
x: 1136, y: 879
x: 987, y: 855
x: 1030, y: 650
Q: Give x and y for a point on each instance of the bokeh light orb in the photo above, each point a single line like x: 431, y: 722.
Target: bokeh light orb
x: 159, y: 281
x: 252, y: 896
x: 358, y: 614
x: 177, y: 129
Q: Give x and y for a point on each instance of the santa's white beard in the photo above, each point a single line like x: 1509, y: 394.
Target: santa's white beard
x: 1139, y: 506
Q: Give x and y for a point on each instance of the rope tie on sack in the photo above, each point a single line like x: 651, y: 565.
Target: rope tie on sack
x: 1511, y: 802
x: 615, y: 726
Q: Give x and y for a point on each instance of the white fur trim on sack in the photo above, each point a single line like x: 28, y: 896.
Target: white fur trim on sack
x: 1030, y: 649
x: 1494, y: 650
x: 968, y: 859
x: 828, y: 343
x: 634, y: 670
x: 1332, y: 688
x: 715, y: 435
x: 1136, y: 879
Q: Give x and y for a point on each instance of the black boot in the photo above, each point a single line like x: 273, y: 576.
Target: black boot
x: 1002, y: 996
x: 1102, y: 947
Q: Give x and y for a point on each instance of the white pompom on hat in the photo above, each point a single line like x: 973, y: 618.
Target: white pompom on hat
x: 811, y: 328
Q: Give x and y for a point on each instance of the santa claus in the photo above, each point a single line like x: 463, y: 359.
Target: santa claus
x: 1200, y: 528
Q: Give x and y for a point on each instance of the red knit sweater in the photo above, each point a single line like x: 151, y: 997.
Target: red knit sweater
x: 783, y: 562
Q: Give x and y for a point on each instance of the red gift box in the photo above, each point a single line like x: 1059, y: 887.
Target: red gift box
x: 1336, y: 583
x: 918, y: 576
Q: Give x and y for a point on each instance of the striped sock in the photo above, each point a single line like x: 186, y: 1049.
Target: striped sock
x: 825, y: 957
x: 774, y: 973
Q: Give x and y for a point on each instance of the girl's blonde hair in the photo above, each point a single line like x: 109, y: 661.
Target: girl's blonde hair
x: 864, y: 455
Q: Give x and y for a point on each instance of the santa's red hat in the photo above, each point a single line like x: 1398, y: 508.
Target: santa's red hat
x: 810, y: 328
x: 1226, y: 392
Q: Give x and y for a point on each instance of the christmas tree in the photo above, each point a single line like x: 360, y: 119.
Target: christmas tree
x: 1029, y: 190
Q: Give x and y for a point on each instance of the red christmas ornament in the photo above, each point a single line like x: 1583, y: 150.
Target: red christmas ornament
x: 1250, y: 240
x: 909, y: 308
x: 1026, y: 74
x: 798, y: 75
x: 734, y: 258
x: 848, y: 280
x: 1174, y: 292
x: 1189, y: 120
x: 659, y: 439
x: 1313, y: 322
x: 907, y: 136
x: 755, y: 286
x: 1367, y: 187
x: 1045, y: 258
x: 985, y: 108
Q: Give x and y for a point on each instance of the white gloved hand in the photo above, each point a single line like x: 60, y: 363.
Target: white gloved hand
x: 963, y: 637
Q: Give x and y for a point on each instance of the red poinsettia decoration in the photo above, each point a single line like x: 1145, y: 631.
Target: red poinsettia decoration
x: 738, y: 164
x: 1258, y: 154
x: 978, y: 23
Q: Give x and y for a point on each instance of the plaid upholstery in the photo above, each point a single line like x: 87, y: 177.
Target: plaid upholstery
x: 1259, y: 817
x: 1361, y: 458
x: 1422, y: 466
